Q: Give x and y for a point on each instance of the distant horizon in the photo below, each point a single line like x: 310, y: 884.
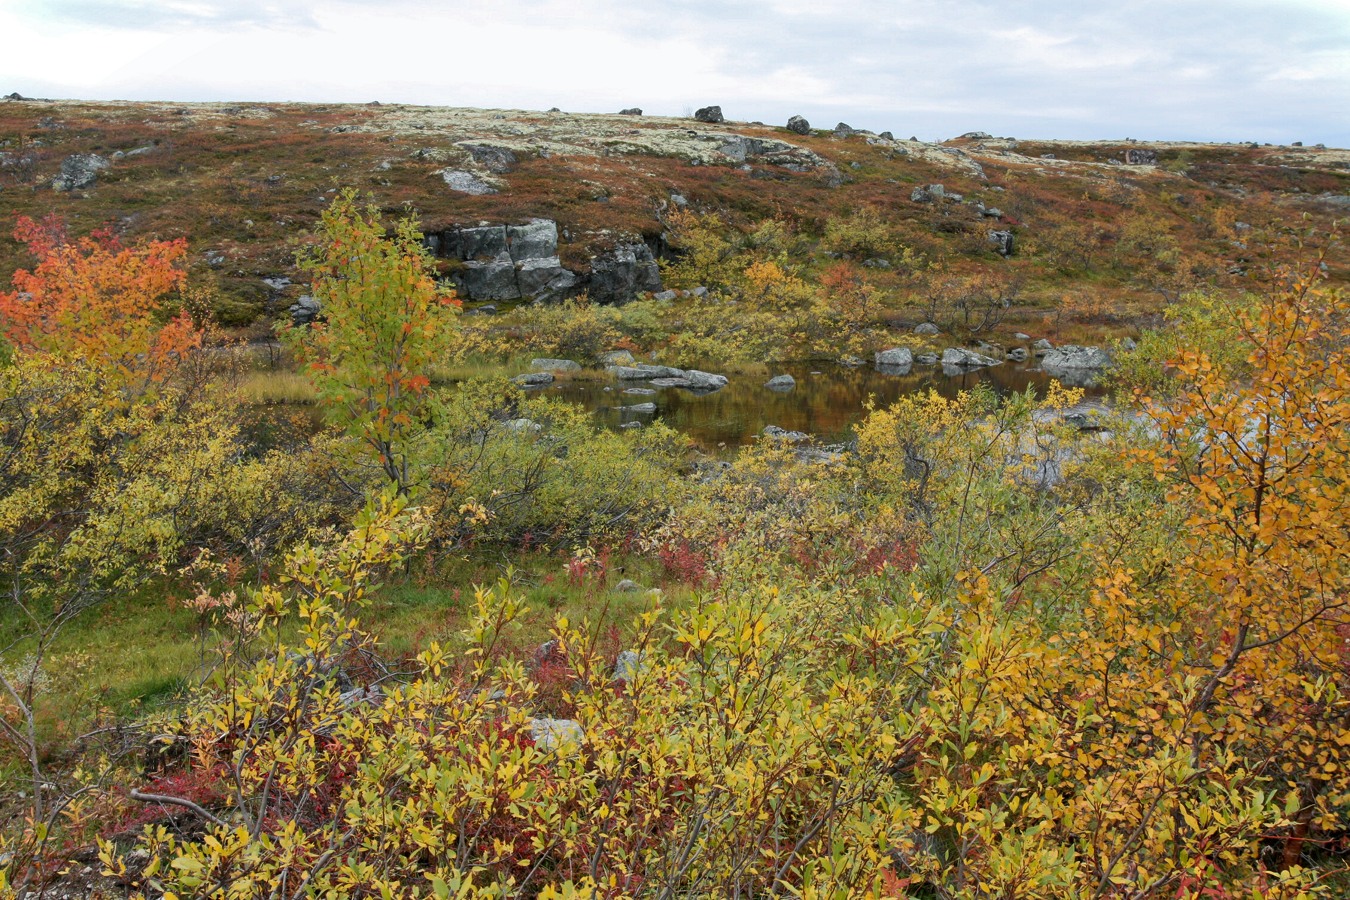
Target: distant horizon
x: 1201, y: 71
x: 819, y: 124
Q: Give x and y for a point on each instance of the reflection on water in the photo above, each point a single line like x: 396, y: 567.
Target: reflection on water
x: 826, y: 402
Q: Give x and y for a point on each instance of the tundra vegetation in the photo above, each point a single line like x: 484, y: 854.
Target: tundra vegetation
x: 456, y: 641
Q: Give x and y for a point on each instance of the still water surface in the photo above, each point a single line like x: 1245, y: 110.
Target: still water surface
x: 826, y: 402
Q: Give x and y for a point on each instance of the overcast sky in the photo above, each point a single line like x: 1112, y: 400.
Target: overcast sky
x: 1276, y: 71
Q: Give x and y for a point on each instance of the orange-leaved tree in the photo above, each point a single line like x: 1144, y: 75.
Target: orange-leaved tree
x: 100, y: 301
x: 384, y: 324
x: 1264, y: 465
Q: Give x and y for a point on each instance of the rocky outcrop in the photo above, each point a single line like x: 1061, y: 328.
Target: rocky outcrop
x: 619, y: 275
x: 508, y: 262
x: 1140, y: 157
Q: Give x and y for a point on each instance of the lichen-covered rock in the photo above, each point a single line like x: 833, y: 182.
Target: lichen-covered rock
x: 798, y: 125
x: 466, y: 182
x: 79, y: 171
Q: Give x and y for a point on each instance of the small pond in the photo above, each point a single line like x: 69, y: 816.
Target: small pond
x: 826, y: 402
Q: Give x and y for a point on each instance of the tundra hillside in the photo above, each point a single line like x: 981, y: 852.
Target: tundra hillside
x: 432, y: 632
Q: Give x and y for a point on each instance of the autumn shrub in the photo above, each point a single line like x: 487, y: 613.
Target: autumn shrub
x: 508, y: 467
x: 385, y: 321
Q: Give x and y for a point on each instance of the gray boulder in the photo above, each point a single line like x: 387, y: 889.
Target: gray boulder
x: 926, y: 328
x: 1041, y: 347
x: 631, y: 111
x: 710, y: 114
x: 843, y: 130
x: 305, y: 310
x: 643, y: 372
x: 1018, y: 354
x: 1020, y: 336
x: 544, y: 364
x: 704, y: 381
x: 896, y: 357
x: 79, y: 171
x: 645, y: 409
x: 1073, y: 357
x: 798, y: 125
x: 928, y: 193
x: 1002, y: 241
x: 533, y: 379
x: 926, y: 359
x: 616, y: 358
x: 781, y: 383
x: 961, y: 358
x: 1138, y: 157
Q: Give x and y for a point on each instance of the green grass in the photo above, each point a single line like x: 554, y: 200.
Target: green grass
x: 139, y: 652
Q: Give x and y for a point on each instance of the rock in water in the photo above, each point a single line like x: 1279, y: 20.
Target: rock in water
x: 781, y: 383
x: 960, y: 358
x: 1072, y: 357
x: 896, y: 357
